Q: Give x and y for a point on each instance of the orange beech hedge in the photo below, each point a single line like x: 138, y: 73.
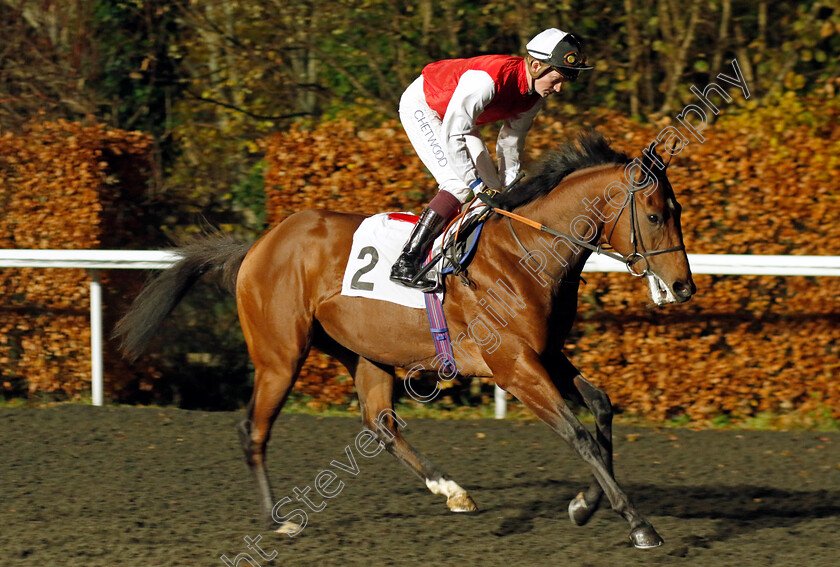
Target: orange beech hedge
x: 764, y: 181
x: 65, y: 186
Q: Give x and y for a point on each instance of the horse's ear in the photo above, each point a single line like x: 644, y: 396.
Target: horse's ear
x: 650, y: 155
x: 651, y: 159
x: 670, y: 151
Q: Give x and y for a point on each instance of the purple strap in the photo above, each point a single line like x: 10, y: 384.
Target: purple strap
x: 440, y: 333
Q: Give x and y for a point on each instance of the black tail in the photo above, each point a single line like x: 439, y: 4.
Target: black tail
x: 219, y: 253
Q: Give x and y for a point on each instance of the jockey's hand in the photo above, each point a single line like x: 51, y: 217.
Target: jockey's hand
x: 488, y: 197
x: 477, y: 186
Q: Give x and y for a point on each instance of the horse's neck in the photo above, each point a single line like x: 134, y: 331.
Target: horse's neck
x: 574, y: 208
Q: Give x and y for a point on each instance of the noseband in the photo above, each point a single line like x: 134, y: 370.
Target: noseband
x: 640, y: 252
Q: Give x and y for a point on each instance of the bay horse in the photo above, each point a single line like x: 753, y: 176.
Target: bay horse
x: 288, y: 294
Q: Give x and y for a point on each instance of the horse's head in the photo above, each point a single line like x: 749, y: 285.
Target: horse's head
x: 647, y: 229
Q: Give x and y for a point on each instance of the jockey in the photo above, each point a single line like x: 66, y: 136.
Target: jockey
x: 442, y: 110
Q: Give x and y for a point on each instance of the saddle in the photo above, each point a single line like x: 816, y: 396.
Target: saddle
x: 460, y: 239
x: 459, y: 247
x: 378, y: 241
x: 454, y: 251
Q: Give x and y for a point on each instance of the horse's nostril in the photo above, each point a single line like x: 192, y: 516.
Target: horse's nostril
x: 682, y: 289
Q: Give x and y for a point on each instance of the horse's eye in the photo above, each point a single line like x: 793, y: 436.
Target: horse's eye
x: 654, y: 219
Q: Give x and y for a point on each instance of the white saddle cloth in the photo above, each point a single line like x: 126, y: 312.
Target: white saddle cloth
x: 377, y: 244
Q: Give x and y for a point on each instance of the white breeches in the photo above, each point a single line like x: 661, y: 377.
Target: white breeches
x: 423, y: 127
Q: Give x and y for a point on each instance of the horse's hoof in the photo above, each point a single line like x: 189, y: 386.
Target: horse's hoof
x: 579, y: 512
x: 461, y: 503
x: 645, y: 537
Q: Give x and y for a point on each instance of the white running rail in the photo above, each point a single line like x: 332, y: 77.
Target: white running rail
x: 92, y: 261
x: 95, y: 260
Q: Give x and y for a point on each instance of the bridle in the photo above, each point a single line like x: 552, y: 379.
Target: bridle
x: 640, y: 252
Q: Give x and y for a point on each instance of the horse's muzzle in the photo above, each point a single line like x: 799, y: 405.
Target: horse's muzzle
x: 683, y: 290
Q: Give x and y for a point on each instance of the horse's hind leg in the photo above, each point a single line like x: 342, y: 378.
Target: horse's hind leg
x: 271, y: 388
x: 375, y: 386
x: 277, y: 362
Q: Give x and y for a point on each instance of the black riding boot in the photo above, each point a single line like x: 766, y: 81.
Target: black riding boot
x: 415, y: 250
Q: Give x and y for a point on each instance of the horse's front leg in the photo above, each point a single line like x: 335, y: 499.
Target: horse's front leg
x: 573, y: 386
x: 529, y: 381
x: 585, y: 504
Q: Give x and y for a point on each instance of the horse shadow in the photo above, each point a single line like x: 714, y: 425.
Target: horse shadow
x: 737, y: 509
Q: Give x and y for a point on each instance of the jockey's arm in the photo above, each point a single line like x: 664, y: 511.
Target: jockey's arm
x: 511, y: 142
x: 474, y: 91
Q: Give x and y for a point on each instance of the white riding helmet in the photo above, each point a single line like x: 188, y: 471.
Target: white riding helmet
x: 559, y: 50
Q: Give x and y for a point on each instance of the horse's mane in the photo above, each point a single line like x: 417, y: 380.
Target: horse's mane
x: 591, y: 149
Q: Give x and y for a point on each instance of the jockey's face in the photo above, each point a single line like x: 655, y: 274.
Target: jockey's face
x: 550, y: 82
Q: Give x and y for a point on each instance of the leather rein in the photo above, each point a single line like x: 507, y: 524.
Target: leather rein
x: 640, y: 252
